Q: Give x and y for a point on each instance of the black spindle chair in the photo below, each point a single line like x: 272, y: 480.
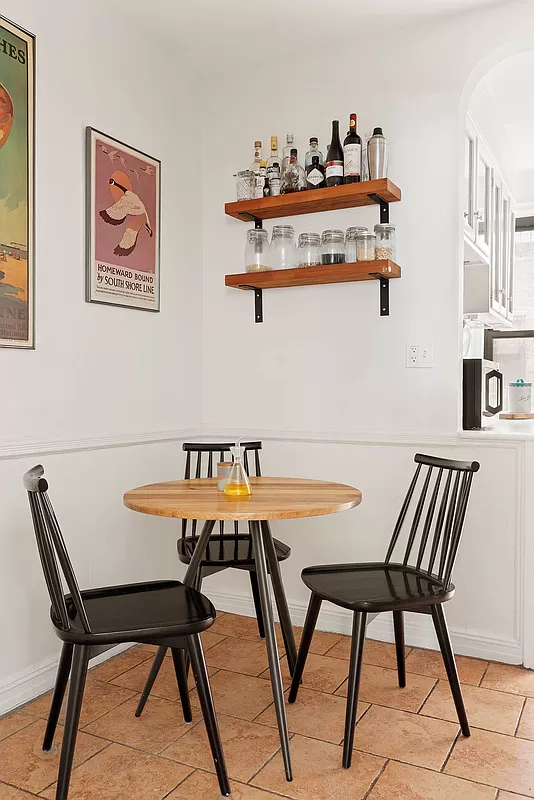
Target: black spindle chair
x: 419, y: 581
x: 159, y: 612
x: 225, y: 549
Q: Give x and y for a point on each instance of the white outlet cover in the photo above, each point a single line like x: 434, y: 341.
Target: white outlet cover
x: 419, y: 355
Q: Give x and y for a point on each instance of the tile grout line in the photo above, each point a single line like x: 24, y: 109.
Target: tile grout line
x: 520, y: 717
x: 193, y: 770
x: 447, y: 757
x: 375, y: 781
x: 426, y: 697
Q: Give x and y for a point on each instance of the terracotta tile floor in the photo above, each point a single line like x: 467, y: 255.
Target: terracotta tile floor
x: 407, y: 742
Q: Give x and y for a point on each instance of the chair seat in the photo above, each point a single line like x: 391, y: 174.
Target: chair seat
x: 376, y: 586
x: 138, y: 612
x: 227, y: 551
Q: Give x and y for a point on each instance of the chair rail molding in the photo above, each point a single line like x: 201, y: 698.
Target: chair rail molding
x: 22, y: 447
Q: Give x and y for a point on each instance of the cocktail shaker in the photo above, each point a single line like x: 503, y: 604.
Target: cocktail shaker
x: 377, y: 155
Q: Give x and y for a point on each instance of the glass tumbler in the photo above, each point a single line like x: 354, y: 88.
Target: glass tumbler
x: 283, y: 249
x: 257, y: 251
x: 385, y: 241
x: 332, y: 247
x: 350, y: 242
x: 245, y: 184
x: 309, y: 250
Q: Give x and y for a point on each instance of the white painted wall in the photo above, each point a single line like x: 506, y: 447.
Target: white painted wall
x: 100, y: 375
x: 324, y: 365
x: 323, y: 361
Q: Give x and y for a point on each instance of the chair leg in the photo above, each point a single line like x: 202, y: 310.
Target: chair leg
x: 74, y: 706
x: 152, y: 675
x: 181, y: 679
x: 62, y: 678
x: 257, y: 602
x: 359, y: 624
x: 398, y: 624
x: 442, y: 632
x: 208, y: 711
x: 307, y: 635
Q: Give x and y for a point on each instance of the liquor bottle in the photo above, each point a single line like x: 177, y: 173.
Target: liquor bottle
x: 273, y: 159
x: 273, y: 180
x: 334, y: 158
x: 294, y: 178
x: 313, y: 151
x: 255, y: 166
x: 352, y: 154
x: 286, y: 152
x: 260, y: 181
x: 315, y: 174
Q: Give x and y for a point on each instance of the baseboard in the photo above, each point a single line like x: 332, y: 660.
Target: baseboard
x: 418, y: 628
x: 31, y: 683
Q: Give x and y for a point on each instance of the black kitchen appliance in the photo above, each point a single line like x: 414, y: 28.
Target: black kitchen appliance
x: 482, y: 392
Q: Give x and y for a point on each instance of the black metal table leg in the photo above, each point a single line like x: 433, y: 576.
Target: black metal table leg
x: 280, y: 597
x: 270, y: 641
x: 198, y: 553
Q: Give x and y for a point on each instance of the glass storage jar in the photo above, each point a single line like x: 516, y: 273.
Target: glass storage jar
x: 385, y: 241
x: 245, y: 184
x: 283, y: 249
x: 350, y: 242
x: 365, y: 247
x: 309, y: 250
x: 332, y: 247
x: 257, y: 251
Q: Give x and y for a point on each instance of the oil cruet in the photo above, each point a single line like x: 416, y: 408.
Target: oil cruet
x: 238, y: 484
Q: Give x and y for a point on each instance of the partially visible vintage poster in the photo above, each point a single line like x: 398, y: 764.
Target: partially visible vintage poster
x: 16, y: 185
x: 123, y: 224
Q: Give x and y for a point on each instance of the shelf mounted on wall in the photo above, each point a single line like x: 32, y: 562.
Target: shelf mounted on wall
x: 382, y: 192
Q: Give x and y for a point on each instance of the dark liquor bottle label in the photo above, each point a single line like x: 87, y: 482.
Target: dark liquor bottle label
x: 334, y: 169
x: 315, y: 177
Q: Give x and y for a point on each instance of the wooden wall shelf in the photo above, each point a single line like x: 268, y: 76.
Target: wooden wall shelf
x: 312, y: 276
x: 382, y: 271
x: 351, y: 195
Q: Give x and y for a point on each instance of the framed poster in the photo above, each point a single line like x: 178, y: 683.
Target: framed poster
x: 123, y: 224
x: 17, y: 81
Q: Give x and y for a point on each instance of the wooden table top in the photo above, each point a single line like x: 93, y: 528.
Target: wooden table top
x: 272, y: 498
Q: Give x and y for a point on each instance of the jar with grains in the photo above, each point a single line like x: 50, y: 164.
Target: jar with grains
x: 245, y: 184
x: 257, y: 251
x: 309, y: 250
x: 365, y: 247
x: 332, y: 247
x: 283, y: 249
x: 385, y: 241
x: 350, y: 242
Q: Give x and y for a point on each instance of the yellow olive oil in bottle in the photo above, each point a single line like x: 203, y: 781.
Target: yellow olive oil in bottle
x: 238, y: 484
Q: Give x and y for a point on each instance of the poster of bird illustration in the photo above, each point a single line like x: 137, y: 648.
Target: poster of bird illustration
x: 16, y: 186
x: 123, y: 199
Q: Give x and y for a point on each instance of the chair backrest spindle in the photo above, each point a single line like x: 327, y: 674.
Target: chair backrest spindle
x: 53, y: 553
x: 433, y: 539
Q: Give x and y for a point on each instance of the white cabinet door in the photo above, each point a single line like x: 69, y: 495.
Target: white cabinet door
x: 469, y: 182
x: 483, y: 198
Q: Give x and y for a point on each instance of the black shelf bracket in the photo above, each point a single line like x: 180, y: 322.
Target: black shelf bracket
x: 384, y: 208
x: 384, y: 294
x: 258, y: 302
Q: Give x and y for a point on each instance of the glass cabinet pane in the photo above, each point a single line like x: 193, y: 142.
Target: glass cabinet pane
x: 469, y: 181
x: 483, y: 202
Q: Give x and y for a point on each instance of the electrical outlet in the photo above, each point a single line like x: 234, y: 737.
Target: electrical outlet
x: 420, y: 356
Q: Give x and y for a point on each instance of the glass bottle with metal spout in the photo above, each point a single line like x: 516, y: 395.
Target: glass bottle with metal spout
x: 238, y: 484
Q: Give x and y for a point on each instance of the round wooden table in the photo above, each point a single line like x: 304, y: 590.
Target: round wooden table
x: 272, y: 498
